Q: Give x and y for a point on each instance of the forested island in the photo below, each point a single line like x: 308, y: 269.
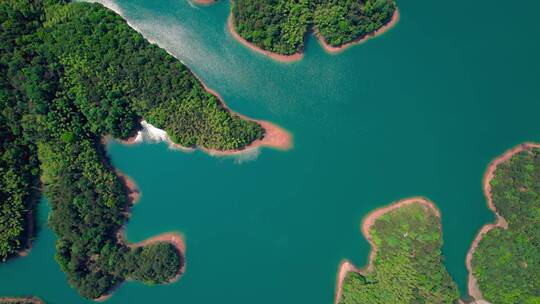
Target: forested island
x: 505, y: 258
x: 279, y: 28
x: 72, y: 73
x: 405, y: 264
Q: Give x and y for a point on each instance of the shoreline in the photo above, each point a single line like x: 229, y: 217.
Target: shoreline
x: 278, y: 57
x: 132, y: 191
x: 345, y: 266
x: 472, y: 286
x: 338, y: 49
x: 31, y: 222
x: 203, y: 2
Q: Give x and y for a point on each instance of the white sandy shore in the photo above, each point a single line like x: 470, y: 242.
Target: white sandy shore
x: 275, y: 137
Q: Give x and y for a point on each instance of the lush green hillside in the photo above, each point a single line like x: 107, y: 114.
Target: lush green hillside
x: 408, y: 267
x: 71, y: 73
x: 507, y: 262
x: 280, y: 26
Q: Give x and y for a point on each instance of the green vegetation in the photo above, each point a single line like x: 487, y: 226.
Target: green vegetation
x: 18, y: 160
x: 71, y: 73
x: 506, y: 263
x: 408, y: 267
x: 342, y: 21
x: 280, y: 26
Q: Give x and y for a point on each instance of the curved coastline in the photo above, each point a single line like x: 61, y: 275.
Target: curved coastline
x: 327, y: 47
x: 472, y: 287
x: 274, y: 136
x: 276, y: 56
x: 338, y: 49
x: 345, y: 266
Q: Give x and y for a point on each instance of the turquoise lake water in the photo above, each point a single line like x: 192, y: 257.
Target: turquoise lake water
x: 419, y: 111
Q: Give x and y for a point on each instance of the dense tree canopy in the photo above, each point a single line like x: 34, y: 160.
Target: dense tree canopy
x: 507, y: 261
x: 280, y: 26
x: 408, y: 267
x: 18, y: 159
x: 71, y: 73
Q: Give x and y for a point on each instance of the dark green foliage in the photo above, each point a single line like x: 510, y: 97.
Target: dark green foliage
x: 18, y: 160
x: 507, y: 262
x: 342, y: 21
x: 155, y: 263
x: 408, y: 267
x: 280, y: 26
x: 71, y: 73
x: 275, y: 25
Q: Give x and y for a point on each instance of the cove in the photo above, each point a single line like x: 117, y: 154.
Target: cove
x: 421, y: 110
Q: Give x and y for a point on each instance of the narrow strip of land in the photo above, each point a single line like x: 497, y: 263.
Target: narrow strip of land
x: 204, y: 2
x: 473, y: 288
x: 20, y: 300
x: 274, y: 136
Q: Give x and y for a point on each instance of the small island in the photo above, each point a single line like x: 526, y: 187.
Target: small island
x: 21, y: 300
x: 405, y: 263
x: 77, y: 74
x: 504, y: 261
x: 278, y: 29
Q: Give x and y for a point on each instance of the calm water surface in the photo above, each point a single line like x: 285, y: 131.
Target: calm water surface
x: 419, y: 111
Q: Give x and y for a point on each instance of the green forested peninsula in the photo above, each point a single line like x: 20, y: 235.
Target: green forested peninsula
x: 280, y: 26
x: 71, y: 73
x: 506, y: 262
x: 408, y: 267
